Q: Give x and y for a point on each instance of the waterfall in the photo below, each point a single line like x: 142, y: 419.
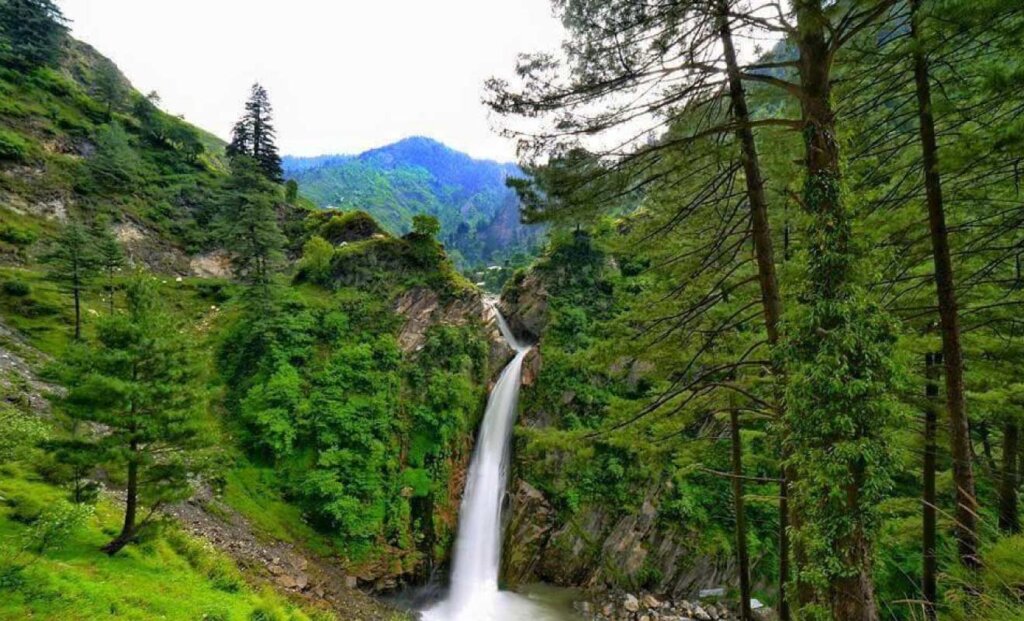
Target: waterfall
x: 474, y: 594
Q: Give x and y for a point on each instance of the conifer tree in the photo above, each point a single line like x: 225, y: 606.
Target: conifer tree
x: 110, y: 86
x: 31, y: 33
x: 72, y: 262
x: 248, y: 225
x: 135, y: 380
x: 254, y: 134
x: 110, y: 259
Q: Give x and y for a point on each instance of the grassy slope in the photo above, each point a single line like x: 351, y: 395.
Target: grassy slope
x: 169, y: 576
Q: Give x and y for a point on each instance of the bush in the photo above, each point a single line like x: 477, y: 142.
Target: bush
x: 316, y: 259
x: 16, y: 288
x: 12, y: 146
x: 17, y: 236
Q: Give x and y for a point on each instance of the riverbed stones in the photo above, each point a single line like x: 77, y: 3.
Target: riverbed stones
x: 611, y: 606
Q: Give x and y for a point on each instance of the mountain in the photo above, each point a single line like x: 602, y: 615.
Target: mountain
x: 479, y: 215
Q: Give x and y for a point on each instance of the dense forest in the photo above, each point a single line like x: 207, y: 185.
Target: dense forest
x: 767, y: 256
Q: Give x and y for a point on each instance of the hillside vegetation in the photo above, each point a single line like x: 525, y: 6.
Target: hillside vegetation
x: 479, y: 215
x: 182, y: 333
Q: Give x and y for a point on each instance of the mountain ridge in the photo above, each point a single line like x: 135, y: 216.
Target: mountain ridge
x: 479, y: 214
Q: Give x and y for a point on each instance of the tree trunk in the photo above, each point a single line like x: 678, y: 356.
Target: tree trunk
x: 771, y: 300
x: 929, y: 589
x: 131, y: 505
x: 960, y: 436
x: 77, y: 293
x: 742, y: 555
x: 1009, y: 517
x: 850, y: 594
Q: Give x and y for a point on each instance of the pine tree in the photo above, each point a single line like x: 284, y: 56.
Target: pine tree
x: 110, y: 87
x: 134, y: 381
x: 254, y: 134
x: 31, y: 33
x: 248, y: 225
x: 72, y: 263
x: 114, y: 166
x: 110, y: 259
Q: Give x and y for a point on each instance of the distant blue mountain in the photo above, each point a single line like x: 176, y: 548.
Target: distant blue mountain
x: 479, y: 215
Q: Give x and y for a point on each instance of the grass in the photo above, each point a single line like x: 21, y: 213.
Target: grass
x: 169, y: 576
x: 251, y: 490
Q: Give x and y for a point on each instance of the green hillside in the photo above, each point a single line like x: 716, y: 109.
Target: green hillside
x: 479, y: 215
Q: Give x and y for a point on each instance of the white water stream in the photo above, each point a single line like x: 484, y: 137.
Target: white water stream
x: 474, y: 594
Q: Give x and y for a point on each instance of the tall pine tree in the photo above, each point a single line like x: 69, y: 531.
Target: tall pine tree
x: 135, y: 381
x: 253, y: 134
x: 72, y: 262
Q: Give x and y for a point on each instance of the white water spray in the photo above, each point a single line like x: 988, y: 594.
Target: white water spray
x: 474, y: 594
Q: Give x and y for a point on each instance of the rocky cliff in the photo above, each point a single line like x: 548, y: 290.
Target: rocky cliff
x: 597, y: 545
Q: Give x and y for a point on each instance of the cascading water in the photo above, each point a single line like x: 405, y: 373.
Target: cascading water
x: 474, y: 594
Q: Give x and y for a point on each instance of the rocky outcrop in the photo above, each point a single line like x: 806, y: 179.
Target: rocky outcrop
x: 528, y: 529
x: 525, y: 306
x: 602, y: 547
x: 215, y: 264
x: 145, y: 247
x: 423, y: 308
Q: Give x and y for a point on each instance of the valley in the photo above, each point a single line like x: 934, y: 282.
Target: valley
x: 735, y: 338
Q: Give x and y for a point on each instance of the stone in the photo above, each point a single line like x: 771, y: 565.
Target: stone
x: 700, y: 614
x: 351, y: 582
x: 631, y: 603
x: 651, y: 602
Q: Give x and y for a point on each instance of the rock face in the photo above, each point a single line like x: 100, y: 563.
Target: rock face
x: 525, y: 306
x: 215, y: 264
x: 527, y: 533
x: 142, y: 246
x: 602, y: 547
x: 423, y: 308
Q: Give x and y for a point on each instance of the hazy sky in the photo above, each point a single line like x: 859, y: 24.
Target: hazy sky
x: 343, y: 75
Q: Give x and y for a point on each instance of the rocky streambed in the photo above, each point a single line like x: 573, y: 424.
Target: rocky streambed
x: 647, y: 607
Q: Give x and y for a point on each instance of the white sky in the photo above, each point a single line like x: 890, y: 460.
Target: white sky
x: 343, y: 75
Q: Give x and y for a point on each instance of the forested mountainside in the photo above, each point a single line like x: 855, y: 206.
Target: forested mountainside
x: 218, y: 401
x: 479, y: 215
x: 770, y: 353
x: 754, y: 363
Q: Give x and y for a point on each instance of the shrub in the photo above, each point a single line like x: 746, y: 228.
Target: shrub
x: 17, y: 236
x: 16, y: 288
x: 12, y: 146
x: 316, y: 259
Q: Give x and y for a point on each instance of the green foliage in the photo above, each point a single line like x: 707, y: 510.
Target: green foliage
x: 110, y: 87
x: 16, y: 288
x: 19, y: 433
x: 135, y: 380
x: 12, y: 146
x: 172, y: 576
x: 254, y: 137
x: 316, y: 259
x: 31, y: 33
x: 247, y: 224
x: 426, y: 225
x: 114, y: 165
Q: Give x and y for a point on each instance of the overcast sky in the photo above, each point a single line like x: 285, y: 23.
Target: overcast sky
x: 343, y: 75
